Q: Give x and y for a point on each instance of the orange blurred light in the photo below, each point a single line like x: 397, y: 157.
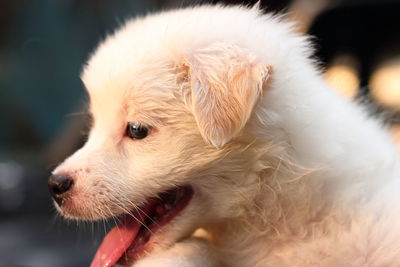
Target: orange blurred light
x: 385, y: 84
x: 342, y: 75
x: 396, y: 132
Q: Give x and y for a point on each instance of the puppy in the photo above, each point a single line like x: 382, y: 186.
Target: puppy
x: 216, y: 117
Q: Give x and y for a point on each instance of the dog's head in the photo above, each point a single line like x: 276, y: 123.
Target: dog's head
x: 168, y: 135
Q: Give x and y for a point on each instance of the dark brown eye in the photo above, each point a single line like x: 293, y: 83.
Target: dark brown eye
x: 137, y: 131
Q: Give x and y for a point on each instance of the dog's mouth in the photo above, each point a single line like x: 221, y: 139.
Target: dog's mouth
x: 127, y: 241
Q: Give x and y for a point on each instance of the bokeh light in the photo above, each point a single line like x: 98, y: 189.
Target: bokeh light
x: 385, y: 84
x: 342, y: 75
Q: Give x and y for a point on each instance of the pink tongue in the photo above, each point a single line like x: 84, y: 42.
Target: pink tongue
x: 116, y: 242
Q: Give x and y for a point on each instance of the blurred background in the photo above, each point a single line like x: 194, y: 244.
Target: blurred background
x: 43, y: 45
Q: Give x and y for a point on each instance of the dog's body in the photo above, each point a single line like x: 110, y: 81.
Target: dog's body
x: 285, y: 172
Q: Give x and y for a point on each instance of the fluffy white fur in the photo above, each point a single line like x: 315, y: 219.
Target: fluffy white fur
x: 285, y: 171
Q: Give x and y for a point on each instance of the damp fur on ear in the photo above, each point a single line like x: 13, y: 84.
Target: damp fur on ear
x: 226, y: 81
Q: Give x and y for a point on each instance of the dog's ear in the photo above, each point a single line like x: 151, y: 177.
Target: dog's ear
x: 226, y: 81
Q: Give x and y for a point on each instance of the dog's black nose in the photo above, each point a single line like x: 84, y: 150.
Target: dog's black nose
x: 58, y: 185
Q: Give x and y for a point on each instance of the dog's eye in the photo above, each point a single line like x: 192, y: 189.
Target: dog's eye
x: 136, y: 130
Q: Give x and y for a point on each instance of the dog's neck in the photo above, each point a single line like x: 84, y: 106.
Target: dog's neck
x: 315, y: 181
x: 290, y: 204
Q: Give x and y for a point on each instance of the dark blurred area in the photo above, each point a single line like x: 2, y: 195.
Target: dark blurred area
x: 43, y: 45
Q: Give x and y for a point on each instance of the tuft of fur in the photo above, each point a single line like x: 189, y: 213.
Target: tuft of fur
x: 285, y: 171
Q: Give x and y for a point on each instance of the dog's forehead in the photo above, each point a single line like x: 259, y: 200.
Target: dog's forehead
x: 127, y: 68
x: 137, y: 66
x: 154, y: 42
x: 124, y: 92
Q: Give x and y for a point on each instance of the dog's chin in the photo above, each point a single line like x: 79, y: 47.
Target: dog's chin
x: 149, y: 227
x: 143, y: 229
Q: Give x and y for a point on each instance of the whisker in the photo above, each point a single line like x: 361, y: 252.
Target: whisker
x: 125, y: 210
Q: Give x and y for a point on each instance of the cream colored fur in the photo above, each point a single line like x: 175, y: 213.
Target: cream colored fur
x: 285, y: 171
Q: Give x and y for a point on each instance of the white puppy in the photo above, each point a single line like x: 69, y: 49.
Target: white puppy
x: 216, y: 118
